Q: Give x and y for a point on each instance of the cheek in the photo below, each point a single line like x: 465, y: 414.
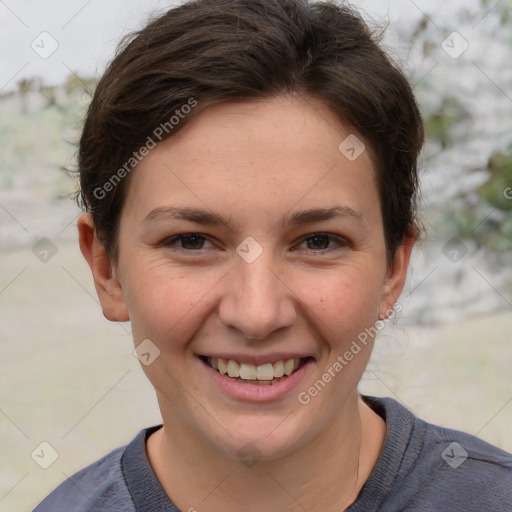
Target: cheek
x: 345, y: 308
x: 346, y: 300
x: 164, y: 302
x: 166, y: 306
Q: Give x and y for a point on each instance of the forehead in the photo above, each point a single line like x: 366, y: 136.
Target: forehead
x: 257, y: 152
x: 280, y: 127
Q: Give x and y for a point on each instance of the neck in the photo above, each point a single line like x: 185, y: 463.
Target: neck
x: 326, y: 474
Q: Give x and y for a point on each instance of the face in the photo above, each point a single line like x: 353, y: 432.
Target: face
x: 249, y: 236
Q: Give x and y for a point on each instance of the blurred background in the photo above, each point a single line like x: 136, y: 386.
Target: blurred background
x: 69, y: 377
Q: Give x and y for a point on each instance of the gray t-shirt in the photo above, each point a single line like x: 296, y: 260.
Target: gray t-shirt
x: 422, y: 468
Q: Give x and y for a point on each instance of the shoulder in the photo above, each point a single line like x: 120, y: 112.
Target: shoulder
x: 98, y: 487
x: 430, y: 467
x: 468, y: 469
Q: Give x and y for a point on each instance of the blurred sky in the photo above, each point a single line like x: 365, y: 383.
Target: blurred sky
x: 87, y: 31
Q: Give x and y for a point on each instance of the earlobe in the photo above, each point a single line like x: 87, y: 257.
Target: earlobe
x: 396, y: 276
x: 108, y: 288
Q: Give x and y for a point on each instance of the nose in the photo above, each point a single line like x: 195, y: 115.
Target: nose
x: 258, y: 300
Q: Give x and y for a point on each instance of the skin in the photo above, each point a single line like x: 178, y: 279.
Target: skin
x: 254, y: 163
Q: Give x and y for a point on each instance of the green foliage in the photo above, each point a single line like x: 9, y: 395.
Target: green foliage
x: 498, y: 190
x: 41, y: 125
x: 76, y: 84
x: 440, y: 124
x: 487, y: 226
x: 488, y: 220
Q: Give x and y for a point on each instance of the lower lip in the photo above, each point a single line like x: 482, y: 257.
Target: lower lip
x: 258, y: 392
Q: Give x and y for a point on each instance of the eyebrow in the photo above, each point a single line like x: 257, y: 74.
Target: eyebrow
x: 319, y: 214
x: 206, y: 217
x: 192, y: 214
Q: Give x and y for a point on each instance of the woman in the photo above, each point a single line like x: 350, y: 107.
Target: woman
x: 248, y: 169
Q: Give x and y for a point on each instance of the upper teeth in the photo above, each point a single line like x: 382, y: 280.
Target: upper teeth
x: 246, y: 371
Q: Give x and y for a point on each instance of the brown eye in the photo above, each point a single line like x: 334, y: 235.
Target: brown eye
x: 192, y: 242
x: 187, y: 242
x: 318, y: 242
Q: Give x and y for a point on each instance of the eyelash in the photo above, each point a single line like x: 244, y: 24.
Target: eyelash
x: 341, y: 242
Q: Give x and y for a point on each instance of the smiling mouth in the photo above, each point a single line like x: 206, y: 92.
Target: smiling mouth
x: 263, y: 374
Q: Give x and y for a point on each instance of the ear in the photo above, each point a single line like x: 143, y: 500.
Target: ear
x: 108, y: 288
x: 396, y: 276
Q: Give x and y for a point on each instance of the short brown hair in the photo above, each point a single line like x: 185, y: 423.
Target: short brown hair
x: 210, y: 51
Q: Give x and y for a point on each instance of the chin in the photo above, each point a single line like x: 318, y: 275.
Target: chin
x: 263, y: 439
